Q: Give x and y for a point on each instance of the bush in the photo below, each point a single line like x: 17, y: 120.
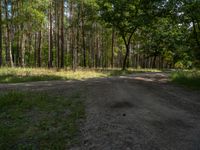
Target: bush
x: 189, y: 79
x: 179, y: 65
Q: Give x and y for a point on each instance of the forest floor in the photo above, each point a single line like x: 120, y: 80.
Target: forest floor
x: 141, y: 111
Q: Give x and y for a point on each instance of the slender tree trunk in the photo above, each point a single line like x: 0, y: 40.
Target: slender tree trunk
x: 154, y: 62
x: 18, y: 47
x: 127, y: 44
x: 35, y: 49
x: 12, y: 28
x: 126, y: 56
x: 195, y: 33
x: 62, y: 34
x: 50, y: 52
x: 58, y: 33
x: 29, y: 49
x: 0, y: 36
x: 113, y: 40
x: 97, y: 53
x: 93, y: 49
x: 74, y: 50
x: 83, y: 35
x: 39, y: 48
x: 17, y: 52
x: 77, y: 43
x: 84, y: 47
x: 73, y: 38
x: 22, y: 50
x: 8, y: 40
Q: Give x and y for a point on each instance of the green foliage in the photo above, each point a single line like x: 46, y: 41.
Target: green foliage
x: 168, y: 56
x: 39, y: 120
x: 125, y: 15
x: 184, y: 63
x: 179, y: 65
x: 31, y: 14
x: 168, y: 30
x: 190, y: 79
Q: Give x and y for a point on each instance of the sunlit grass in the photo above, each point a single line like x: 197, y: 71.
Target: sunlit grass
x: 189, y: 78
x: 16, y: 75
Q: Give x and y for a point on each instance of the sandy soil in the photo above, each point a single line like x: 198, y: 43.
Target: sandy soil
x: 136, y: 112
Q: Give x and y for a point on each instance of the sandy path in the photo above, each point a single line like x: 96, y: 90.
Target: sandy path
x: 136, y: 112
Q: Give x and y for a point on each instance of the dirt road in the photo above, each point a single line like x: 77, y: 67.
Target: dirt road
x: 136, y: 112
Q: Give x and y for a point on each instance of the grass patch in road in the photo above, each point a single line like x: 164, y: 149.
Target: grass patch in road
x: 189, y: 79
x: 39, y: 121
x: 17, y: 75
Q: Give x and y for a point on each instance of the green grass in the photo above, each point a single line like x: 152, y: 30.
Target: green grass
x: 39, y: 121
x: 190, y: 79
x: 17, y: 75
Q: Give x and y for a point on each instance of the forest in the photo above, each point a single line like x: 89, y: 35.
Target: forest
x: 99, y: 74
x: 100, y: 33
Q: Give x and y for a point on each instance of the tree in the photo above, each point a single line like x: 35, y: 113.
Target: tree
x: 186, y: 14
x: 92, y: 33
x: 39, y: 52
x: 0, y: 35
x: 113, y: 40
x: 126, y: 16
x: 83, y: 32
x: 50, y: 42
x: 189, y: 13
x: 62, y: 33
x: 9, y: 57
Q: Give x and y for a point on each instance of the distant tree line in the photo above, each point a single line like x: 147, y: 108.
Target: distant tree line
x: 100, y: 33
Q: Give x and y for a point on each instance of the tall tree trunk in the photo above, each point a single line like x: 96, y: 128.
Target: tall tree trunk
x: 39, y: 48
x: 22, y: 50
x: 58, y: 33
x: 18, y: 47
x: 78, y: 34
x: 50, y: 52
x: 35, y: 49
x: 29, y: 49
x: 77, y: 44
x: 83, y: 35
x: 127, y: 44
x: 113, y: 40
x: 98, y: 48
x: 72, y: 37
x: 62, y: 34
x: 195, y: 33
x: 0, y: 36
x: 154, y: 62
x: 9, y: 42
x: 84, y: 45
x: 126, y: 56
x: 74, y: 49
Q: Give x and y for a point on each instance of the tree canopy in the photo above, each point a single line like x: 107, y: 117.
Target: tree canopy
x: 100, y: 34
